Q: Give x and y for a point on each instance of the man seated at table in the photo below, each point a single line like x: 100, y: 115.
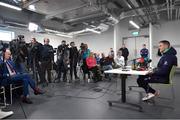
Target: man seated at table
x: 10, y: 74
x: 161, y: 73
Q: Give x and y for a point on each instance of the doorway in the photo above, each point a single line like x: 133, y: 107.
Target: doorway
x: 134, y: 45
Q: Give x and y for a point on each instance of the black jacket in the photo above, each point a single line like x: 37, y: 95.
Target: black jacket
x: 35, y: 51
x: 47, y: 53
x: 74, y: 54
x: 125, y: 53
x: 165, y: 64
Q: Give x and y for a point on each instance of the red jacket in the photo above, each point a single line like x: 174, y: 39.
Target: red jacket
x: 91, y: 62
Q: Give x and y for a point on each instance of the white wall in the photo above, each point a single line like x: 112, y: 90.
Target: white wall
x: 121, y: 30
x: 99, y: 43
x: 167, y: 31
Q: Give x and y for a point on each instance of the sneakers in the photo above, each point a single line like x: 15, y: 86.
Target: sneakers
x: 148, y: 96
x: 89, y: 80
x: 157, y: 93
x: 4, y: 114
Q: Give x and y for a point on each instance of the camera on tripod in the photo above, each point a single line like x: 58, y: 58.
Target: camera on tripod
x: 18, y: 49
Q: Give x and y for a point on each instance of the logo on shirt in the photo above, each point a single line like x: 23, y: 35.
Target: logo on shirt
x: 165, y: 63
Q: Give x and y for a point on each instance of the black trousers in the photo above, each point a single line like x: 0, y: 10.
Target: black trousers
x: 73, y: 68
x: 62, y: 68
x: 85, y: 69
x: 46, y: 67
x: 96, y: 73
x: 38, y: 69
x: 143, y: 81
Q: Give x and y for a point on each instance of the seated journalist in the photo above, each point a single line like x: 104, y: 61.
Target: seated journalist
x: 11, y: 74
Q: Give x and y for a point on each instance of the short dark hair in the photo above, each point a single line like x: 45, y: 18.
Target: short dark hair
x: 34, y: 39
x: 165, y: 42
x: 63, y: 41
x: 71, y: 43
x: 46, y: 39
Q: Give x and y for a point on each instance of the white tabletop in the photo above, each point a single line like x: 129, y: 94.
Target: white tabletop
x: 128, y: 72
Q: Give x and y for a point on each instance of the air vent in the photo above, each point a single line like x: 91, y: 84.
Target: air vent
x: 3, y: 25
x: 177, y: 4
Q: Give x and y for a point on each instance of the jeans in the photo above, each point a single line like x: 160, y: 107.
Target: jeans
x: 24, y: 78
x: 108, y: 67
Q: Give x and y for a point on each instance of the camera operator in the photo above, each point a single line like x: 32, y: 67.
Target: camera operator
x: 35, y: 59
x: 74, y: 54
x: 19, y: 51
x: 47, y: 59
x: 62, y: 60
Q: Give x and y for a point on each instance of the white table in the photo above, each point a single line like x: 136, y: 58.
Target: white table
x: 124, y: 73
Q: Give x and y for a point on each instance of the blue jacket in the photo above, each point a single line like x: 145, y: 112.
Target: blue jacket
x: 144, y: 52
x: 86, y: 54
x: 165, y: 64
x: 4, y: 73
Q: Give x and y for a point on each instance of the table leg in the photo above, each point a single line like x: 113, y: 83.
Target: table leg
x: 123, y: 88
x: 123, y: 95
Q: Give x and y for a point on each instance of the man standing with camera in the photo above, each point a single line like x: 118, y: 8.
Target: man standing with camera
x: 74, y: 54
x: 47, y: 60
x: 35, y: 59
x: 62, y: 60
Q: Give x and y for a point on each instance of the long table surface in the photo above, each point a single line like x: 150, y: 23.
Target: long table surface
x: 126, y: 71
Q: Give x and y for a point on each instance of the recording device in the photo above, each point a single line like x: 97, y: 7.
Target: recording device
x: 19, y: 49
x: 3, y: 46
x: 141, y: 63
x: 61, y: 49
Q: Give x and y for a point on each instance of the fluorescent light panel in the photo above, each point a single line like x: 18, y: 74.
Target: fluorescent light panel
x: 134, y: 24
x: 92, y: 30
x: 10, y: 6
x: 32, y: 7
x: 33, y: 27
x: 62, y: 35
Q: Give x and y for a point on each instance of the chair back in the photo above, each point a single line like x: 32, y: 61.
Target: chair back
x: 172, y: 74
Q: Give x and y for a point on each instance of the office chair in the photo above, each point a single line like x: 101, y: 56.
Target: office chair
x: 171, y: 83
x: 12, y: 88
x: 2, y: 91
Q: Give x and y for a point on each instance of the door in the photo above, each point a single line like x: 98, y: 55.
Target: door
x: 134, y: 45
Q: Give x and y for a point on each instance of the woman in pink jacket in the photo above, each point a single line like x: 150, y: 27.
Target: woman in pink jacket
x: 92, y: 66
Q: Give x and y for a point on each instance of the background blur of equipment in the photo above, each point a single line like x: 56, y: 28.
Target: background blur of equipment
x: 141, y: 63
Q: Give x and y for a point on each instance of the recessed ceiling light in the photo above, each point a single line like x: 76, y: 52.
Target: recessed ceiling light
x: 32, y: 27
x: 134, y: 24
x: 32, y: 7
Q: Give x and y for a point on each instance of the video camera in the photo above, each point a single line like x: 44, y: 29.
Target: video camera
x: 18, y: 49
x: 3, y: 46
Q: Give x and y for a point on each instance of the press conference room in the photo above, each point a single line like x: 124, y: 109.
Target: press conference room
x: 89, y: 59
